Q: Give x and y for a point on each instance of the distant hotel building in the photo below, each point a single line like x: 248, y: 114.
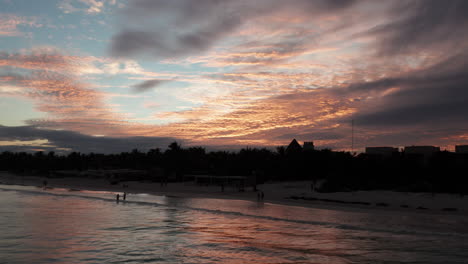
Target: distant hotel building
x: 381, y: 151
x: 308, y: 146
x: 461, y: 149
x: 426, y: 151
x: 294, y: 146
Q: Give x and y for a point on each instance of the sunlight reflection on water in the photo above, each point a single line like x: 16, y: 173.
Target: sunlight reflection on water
x: 57, y: 226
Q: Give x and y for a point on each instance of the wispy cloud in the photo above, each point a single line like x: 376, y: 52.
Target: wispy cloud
x: 52, y: 59
x: 423, y: 26
x: 50, y: 81
x: 86, y: 6
x: 10, y: 23
x: 204, y: 23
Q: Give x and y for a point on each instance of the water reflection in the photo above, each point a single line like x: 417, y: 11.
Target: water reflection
x: 91, y: 228
x: 64, y: 228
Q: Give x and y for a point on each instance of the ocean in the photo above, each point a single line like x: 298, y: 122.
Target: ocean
x: 63, y: 226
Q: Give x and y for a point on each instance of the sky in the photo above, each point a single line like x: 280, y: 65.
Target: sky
x: 113, y: 75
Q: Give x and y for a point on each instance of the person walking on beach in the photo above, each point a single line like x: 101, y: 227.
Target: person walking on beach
x: 117, y: 198
x: 260, y: 195
x: 44, y: 184
x: 124, y: 196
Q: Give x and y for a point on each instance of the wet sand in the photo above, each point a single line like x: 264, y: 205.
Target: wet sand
x: 288, y: 193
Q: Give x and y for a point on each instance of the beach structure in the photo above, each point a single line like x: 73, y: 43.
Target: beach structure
x: 425, y: 151
x: 462, y: 149
x: 308, y: 146
x: 293, y: 147
x: 240, y: 182
x: 121, y: 174
x: 216, y: 180
x: 381, y: 151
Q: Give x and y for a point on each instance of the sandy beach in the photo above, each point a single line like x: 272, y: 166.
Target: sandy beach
x: 289, y: 193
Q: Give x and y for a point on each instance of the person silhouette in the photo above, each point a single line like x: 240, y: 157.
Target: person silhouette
x: 124, y: 196
x: 259, y: 195
x: 117, y: 198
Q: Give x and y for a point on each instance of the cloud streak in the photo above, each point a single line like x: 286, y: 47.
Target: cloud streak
x: 422, y: 26
x: 62, y: 140
x: 10, y: 23
x: 148, y: 85
x: 86, y: 6
x: 165, y: 29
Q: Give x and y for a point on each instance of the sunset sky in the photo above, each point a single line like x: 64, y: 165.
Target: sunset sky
x: 113, y: 75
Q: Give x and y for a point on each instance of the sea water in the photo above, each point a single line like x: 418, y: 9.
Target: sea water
x: 62, y: 226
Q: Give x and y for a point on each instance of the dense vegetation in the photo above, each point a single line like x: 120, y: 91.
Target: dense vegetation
x: 443, y: 172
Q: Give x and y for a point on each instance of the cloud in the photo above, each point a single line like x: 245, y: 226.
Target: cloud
x: 165, y: 29
x: 63, y: 97
x: 430, y: 96
x: 393, y: 99
x: 10, y: 23
x: 51, y: 80
x: 86, y: 6
x: 52, y: 59
x: 56, y: 84
x: 262, y: 72
x: 147, y: 85
x: 49, y: 59
x: 426, y: 105
x: 423, y: 25
x: 59, y: 140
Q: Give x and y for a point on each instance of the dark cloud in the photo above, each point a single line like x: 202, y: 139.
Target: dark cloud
x: 149, y: 84
x: 228, y: 78
x: 178, y: 27
x: 424, y: 24
x: 162, y: 29
x: 62, y: 139
x: 436, y: 95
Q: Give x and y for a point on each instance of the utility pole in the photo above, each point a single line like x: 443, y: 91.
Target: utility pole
x: 352, y: 136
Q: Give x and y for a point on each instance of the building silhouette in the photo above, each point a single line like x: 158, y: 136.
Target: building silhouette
x: 293, y: 147
x: 381, y: 151
x: 462, y: 149
x: 308, y: 146
x: 425, y: 151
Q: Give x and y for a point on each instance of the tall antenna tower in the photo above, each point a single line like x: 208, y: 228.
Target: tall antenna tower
x: 352, y: 135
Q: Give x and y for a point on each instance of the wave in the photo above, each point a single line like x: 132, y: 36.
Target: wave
x: 85, y: 194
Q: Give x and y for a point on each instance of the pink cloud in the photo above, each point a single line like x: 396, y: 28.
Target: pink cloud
x: 9, y: 24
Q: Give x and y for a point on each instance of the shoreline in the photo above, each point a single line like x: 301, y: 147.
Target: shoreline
x: 283, y: 193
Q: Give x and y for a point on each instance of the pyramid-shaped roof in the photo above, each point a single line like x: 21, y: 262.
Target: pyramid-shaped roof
x: 294, y: 146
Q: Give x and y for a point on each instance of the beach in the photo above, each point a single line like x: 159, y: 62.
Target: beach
x: 297, y: 193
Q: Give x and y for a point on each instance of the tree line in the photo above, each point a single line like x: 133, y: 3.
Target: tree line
x: 337, y: 171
